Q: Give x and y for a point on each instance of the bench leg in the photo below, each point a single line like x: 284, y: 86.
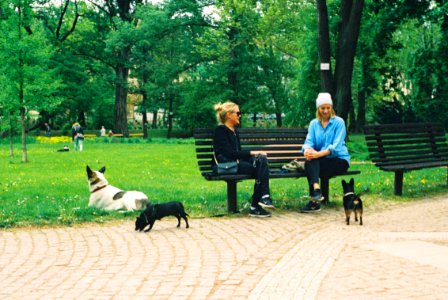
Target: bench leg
x: 231, y: 197
x: 398, y: 185
x: 325, y: 189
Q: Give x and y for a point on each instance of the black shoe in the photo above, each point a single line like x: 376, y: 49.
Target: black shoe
x: 317, y: 195
x: 310, y: 207
x: 266, y: 202
x: 259, y: 212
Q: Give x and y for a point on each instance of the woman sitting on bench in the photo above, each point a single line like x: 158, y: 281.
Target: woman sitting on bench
x: 324, y: 149
x: 227, y: 147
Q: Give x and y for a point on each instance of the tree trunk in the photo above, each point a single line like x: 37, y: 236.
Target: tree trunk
x: 231, y: 74
x: 21, y: 95
x: 361, y: 115
x: 144, y: 116
x: 352, y: 119
x: 324, y: 49
x: 121, y: 94
x: 82, y: 119
x: 170, y: 116
x: 351, y: 12
x: 23, y: 127
x: 11, y: 142
x: 278, y: 118
x: 154, y: 119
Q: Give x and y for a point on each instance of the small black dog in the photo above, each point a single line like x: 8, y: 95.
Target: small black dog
x: 157, y: 212
x: 352, y: 201
x: 65, y: 149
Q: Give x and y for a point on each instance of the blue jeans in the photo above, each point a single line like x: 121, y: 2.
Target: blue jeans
x: 78, y: 144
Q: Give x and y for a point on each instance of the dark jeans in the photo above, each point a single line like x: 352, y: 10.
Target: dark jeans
x: 259, y: 168
x: 324, y: 168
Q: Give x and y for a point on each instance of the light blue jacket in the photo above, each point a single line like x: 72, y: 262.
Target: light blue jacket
x: 331, y: 137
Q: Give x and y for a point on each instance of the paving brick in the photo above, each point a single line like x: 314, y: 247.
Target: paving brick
x: 288, y: 256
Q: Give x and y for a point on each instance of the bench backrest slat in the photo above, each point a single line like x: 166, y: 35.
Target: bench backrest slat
x: 391, y: 144
x: 281, y: 144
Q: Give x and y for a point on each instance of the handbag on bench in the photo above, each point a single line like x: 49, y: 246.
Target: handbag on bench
x: 225, y: 168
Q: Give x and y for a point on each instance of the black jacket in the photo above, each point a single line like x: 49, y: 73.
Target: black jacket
x: 226, y: 145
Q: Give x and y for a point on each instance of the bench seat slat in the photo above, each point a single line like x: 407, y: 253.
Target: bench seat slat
x: 411, y: 154
x: 415, y: 166
x: 402, y: 161
x: 273, y: 175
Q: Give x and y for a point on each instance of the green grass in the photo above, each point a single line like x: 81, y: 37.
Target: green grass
x: 52, y: 188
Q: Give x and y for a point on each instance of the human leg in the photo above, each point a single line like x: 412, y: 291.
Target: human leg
x: 321, y: 168
x: 330, y: 167
x: 75, y: 144
x: 260, y: 171
x: 313, y: 171
x: 247, y: 167
x: 80, y: 144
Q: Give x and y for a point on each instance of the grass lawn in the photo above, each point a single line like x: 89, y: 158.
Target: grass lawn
x: 52, y: 188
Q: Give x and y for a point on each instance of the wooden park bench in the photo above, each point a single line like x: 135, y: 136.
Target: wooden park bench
x: 120, y: 135
x: 400, y: 148
x: 281, y: 144
x: 138, y: 134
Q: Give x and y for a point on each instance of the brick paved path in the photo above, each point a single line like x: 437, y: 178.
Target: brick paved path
x: 399, y: 253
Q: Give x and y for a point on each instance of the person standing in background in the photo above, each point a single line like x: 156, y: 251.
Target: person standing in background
x: 77, y: 136
x: 47, y: 130
x: 103, y: 131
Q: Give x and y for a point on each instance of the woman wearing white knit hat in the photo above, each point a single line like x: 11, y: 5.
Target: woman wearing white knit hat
x: 324, y: 149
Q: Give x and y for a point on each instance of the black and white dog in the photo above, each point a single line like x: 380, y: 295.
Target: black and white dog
x: 107, y: 197
x: 159, y: 211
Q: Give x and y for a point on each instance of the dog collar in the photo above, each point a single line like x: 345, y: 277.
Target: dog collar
x: 349, y: 193
x: 98, y: 188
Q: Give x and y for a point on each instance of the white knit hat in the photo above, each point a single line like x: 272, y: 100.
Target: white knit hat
x: 323, y: 98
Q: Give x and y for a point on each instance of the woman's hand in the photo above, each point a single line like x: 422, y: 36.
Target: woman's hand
x: 313, y: 154
x: 255, y: 153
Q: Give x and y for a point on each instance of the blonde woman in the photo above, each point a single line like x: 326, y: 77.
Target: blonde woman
x: 227, y: 147
x: 77, y: 136
x: 324, y: 149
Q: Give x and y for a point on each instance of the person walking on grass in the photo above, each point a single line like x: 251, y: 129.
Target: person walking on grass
x: 324, y: 149
x: 227, y: 147
x: 77, y: 136
x: 102, y: 131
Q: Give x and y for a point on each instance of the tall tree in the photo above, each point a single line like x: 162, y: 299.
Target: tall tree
x: 347, y: 37
x: 26, y: 54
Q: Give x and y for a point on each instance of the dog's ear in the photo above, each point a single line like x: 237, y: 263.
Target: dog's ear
x: 102, y: 170
x: 344, y: 183
x: 352, y: 182
x: 89, y: 172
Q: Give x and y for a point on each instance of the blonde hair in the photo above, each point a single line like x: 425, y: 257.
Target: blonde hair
x: 75, y: 124
x: 222, y: 109
x: 319, y: 117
